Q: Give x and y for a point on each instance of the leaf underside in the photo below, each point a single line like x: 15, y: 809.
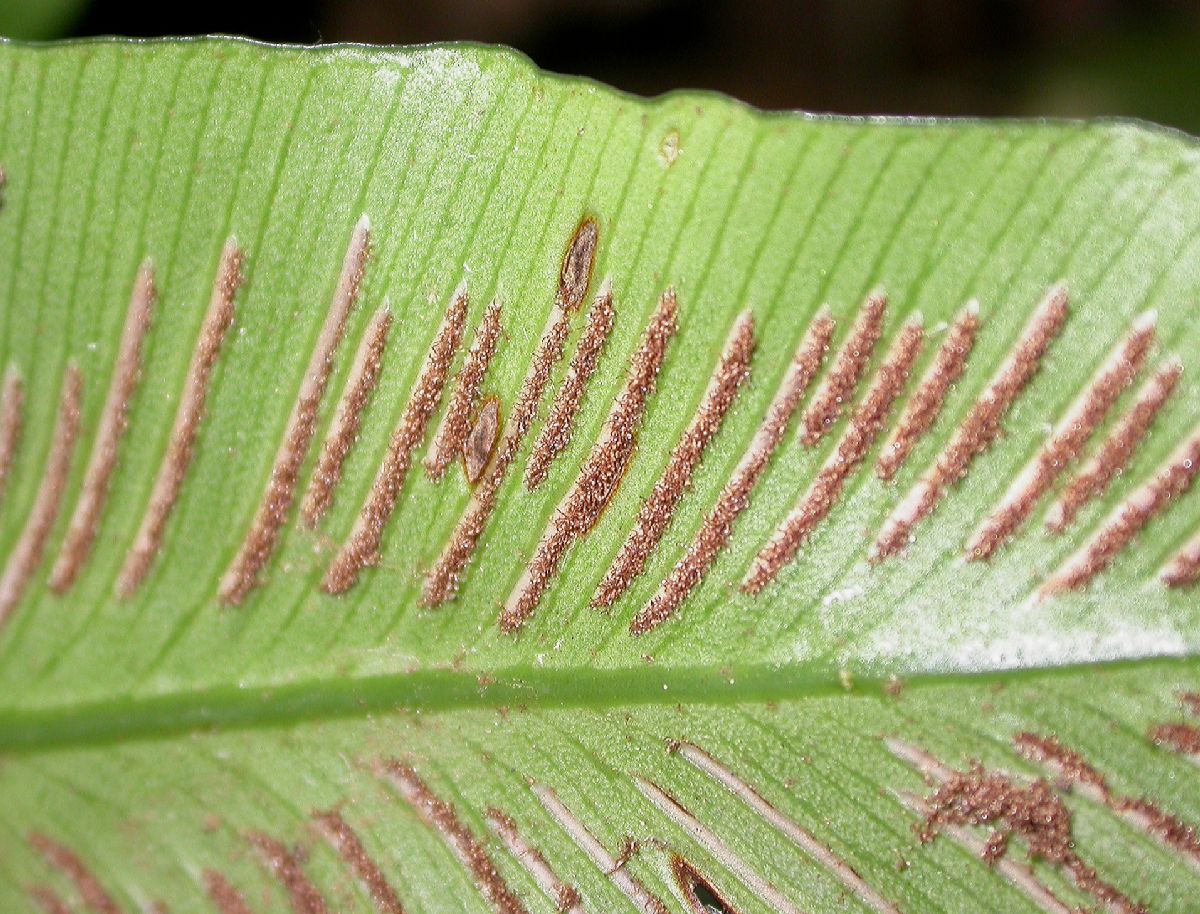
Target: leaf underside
x: 431, y: 485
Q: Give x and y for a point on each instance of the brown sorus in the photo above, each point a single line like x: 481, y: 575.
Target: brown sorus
x: 566, y: 897
x: 81, y: 531
x: 717, y: 528
x: 730, y: 375
x: 303, y: 896
x: 223, y: 895
x: 27, y: 553
x: 12, y: 402
x: 847, y: 370
x: 345, y: 840
x: 360, y: 385
x: 69, y: 863
x: 178, y: 457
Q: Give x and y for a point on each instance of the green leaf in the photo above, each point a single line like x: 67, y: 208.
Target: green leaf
x: 256, y: 657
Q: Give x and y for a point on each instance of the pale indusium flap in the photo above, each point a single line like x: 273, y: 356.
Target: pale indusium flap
x: 431, y: 485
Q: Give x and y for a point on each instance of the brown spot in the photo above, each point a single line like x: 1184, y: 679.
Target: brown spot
x: 731, y: 373
x: 700, y: 894
x: 12, y: 401
x: 925, y: 405
x: 981, y: 427
x: 178, y: 456
x: 837, y: 389
x: 1184, y: 568
x: 1182, y: 738
x: 603, y: 471
x: 442, y: 817
x: 451, y: 436
x: 81, y: 532
x: 243, y: 573
x: 480, y: 443
x: 362, y: 547
x: 48, y: 900
x: 560, y: 425
x: 577, y: 264
x: 67, y: 862
x: 717, y: 527
x: 864, y: 427
x: 1033, y: 813
x: 26, y: 555
x: 284, y: 865
x: 1192, y: 701
x: 1073, y: 769
x: 441, y: 584
x: 350, y: 848
x: 223, y: 895
x: 1066, y: 442
x: 1127, y: 519
x: 1117, y: 449
x: 343, y: 434
x: 565, y: 896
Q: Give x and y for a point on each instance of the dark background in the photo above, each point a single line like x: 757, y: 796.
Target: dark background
x: 1136, y: 58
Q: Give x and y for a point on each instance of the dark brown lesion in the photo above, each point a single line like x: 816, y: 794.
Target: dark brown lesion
x: 700, y: 894
x: 479, y: 446
x: 578, y: 261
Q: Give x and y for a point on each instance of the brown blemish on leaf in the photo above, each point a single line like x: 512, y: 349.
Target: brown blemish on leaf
x: 1032, y: 813
x: 48, y: 900
x: 1191, y: 701
x: 700, y: 894
x: 362, y: 546
x: 717, y: 528
x: 847, y: 370
x: 565, y: 896
x: 223, y: 895
x: 81, y: 531
x: 601, y: 473
x: 343, y: 839
x: 27, y: 553
x: 178, y: 456
x: 284, y: 865
x: 578, y: 261
x: 12, y: 402
x: 1183, y: 738
x: 480, y: 443
x: 1183, y: 570
x: 560, y: 425
x: 1167, y: 485
x: 1117, y: 449
x: 442, y: 817
x: 67, y: 862
x: 360, y: 385
x: 242, y: 576
x: 1067, y: 440
x: 731, y: 373
x: 980, y: 428
x: 864, y: 427
x: 925, y: 405
x: 451, y: 436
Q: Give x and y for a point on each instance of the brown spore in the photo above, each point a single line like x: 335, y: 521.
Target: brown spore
x: 981, y: 427
x: 1032, y: 813
x: 27, y: 553
x: 559, y: 427
x: 714, y: 533
x: 243, y: 573
x: 1183, y: 570
x: 114, y: 416
x: 565, y: 896
x: 71, y: 865
x: 48, y: 900
x: 361, y: 548
x: 481, y: 440
x: 360, y: 386
x: 225, y: 898
x: 1191, y: 700
x: 345, y: 840
x: 442, y: 818
x: 12, y: 403
x: 284, y: 865
x: 700, y: 894
x: 1066, y: 442
x: 864, y: 427
x: 836, y: 391
x: 577, y: 263
x: 925, y: 405
x: 730, y: 375
x: 451, y: 436
x: 602, y: 472
x: 178, y: 456
x: 1183, y: 738
x: 1167, y: 485
x: 1117, y: 449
